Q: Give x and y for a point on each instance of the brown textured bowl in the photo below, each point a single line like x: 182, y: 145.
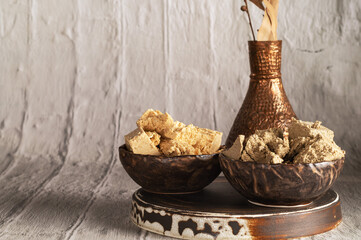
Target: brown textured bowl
x: 281, y: 184
x: 172, y: 175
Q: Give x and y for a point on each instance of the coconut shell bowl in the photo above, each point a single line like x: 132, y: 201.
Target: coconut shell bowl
x: 170, y: 175
x: 277, y: 185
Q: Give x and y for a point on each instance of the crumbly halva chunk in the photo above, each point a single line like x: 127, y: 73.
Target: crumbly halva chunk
x: 192, y: 140
x: 139, y: 143
x: 297, y: 145
x: 265, y: 146
x: 298, y: 128
x: 235, y: 152
x: 154, y: 137
x: 301, y: 142
x: 175, y: 138
x: 245, y: 157
x: 162, y: 123
x: 275, y: 140
x: 170, y: 147
x: 258, y: 150
x: 322, y: 149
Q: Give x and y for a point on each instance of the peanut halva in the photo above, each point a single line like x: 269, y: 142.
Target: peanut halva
x: 301, y: 142
x: 139, y: 142
x: 163, y: 124
x: 191, y: 140
x: 173, y: 138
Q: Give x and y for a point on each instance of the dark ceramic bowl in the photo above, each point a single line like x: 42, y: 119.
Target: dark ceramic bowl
x: 281, y: 184
x: 172, y: 175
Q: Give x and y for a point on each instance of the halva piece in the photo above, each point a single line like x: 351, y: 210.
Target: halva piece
x: 139, y: 143
x: 191, y: 140
x: 320, y: 149
x: 162, y: 123
x: 298, y: 128
x: 154, y: 137
x: 170, y: 147
x: 172, y: 137
x: 257, y: 149
x: 235, y: 152
x: 275, y: 140
x: 296, y: 146
x: 301, y: 142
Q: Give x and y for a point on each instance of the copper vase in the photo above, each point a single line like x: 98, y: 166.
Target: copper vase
x: 266, y: 104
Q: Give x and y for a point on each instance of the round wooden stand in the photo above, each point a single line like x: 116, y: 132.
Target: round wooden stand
x: 219, y: 212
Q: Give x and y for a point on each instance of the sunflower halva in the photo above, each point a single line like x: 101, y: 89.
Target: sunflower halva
x: 301, y: 142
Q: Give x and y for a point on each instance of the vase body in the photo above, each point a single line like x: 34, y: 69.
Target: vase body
x: 266, y: 104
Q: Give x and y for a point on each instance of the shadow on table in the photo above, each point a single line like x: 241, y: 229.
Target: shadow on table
x: 61, y: 213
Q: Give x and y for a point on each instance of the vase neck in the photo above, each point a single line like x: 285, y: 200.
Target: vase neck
x: 265, y: 59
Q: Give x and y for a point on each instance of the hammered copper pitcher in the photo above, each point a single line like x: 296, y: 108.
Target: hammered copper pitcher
x: 266, y: 104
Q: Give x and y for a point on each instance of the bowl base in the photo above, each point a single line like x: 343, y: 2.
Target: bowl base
x: 278, y: 206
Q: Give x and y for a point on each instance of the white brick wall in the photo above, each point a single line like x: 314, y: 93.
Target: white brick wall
x: 75, y: 75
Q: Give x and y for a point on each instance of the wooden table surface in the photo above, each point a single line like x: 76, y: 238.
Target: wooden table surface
x: 46, y: 198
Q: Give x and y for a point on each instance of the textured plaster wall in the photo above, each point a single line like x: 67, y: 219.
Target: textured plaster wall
x: 75, y: 75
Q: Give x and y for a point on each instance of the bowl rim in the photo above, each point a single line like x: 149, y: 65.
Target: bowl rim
x: 219, y: 151
x: 224, y: 157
